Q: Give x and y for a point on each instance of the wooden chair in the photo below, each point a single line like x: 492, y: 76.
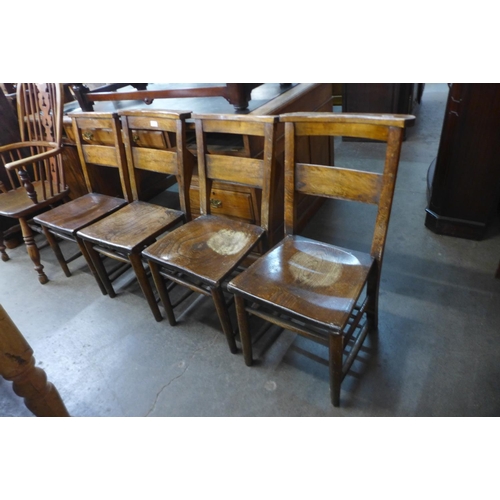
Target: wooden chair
x: 99, y: 145
x: 309, y: 287
x: 203, y: 253
x: 124, y: 234
x: 34, y: 165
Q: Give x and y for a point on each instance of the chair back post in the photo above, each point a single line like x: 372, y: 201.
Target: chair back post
x: 163, y: 157
x: 92, y: 136
x: 234, y: 168
x: 40, y: 116
x: 393, y: 152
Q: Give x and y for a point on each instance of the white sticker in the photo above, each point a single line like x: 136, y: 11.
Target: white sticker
x: 153, y: 123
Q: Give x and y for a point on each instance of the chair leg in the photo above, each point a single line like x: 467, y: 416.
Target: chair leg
x: 3, y: 253
x: 33, y: 251
x: 90, y: 263
x: 163, y: 293
x: 100, y: 270
x: 57, y: 251
x: 336, y: 349
x: 246, y: 343
x: 142, y: 278
x: 30, y: 382
x: 225, y: 320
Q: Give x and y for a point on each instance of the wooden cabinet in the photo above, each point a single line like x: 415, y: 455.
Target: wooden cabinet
x: 381, y: 97
x: 464, y: 180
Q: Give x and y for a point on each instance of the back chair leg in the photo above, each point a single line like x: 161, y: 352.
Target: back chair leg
x: 33, y: 251
x: 335, y: 361
x: 225, y: 320
x: 57, y: 251
x: 143, y: 280
x: 372, y: 287
x: 246, y: 342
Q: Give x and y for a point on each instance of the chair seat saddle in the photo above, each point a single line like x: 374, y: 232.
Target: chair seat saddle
x: 208, y: 248
x: 132, y: 226
x: 307, y: 279
x: 81, y: 212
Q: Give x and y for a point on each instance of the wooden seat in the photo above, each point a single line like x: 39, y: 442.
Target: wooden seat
x: 99, y: 145
x: 203, y: 253
x: 323, y: 292
x: 34, y: 165
x: 124, y: 234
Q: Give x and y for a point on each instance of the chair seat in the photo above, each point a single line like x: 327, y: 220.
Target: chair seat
x: 208, y: 248
x: 309, y: 279
x: 16, y: 203
x: 81, y: 212
x: 132, y: 226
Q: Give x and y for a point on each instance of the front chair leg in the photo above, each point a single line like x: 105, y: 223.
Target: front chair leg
x: 162, y: 292
x: 33, y: 251
x: 142, y: 278
x: 57, y: 251
x: 246, y: 342
x: 225, y: 320
x: 336, y: 349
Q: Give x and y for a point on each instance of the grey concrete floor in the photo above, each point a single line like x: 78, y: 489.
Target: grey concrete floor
x: 437, y: 352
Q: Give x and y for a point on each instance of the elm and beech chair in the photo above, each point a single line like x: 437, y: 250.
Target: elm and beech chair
x: 99, y: 145
x: 203, y: 253
x: 34, y: 166
x: 320, y: 291
x: 124, y: 234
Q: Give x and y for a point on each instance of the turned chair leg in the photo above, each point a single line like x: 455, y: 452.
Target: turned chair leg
x: 33, y: 251
x: 3, y: 253
x: 17, y: 364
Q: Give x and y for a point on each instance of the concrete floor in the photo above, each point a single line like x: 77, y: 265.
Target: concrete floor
x: 436, y: 353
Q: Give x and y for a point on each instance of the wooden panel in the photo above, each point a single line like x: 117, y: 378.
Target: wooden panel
x: 100, y: 155
x: 244, y: 171
x: 335, y: 182
x: 155, y: 160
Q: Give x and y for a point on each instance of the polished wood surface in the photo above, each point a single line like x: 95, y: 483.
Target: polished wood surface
x: 310, y: 287
x: 238, y: 94
x: 203, y: 253
x: 17, y: 364
x: 34, y: 165
x: 124, y: 234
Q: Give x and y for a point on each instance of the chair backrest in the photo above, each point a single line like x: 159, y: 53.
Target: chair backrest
x: 99, y: 142
x: 338, y: 182
x: 155, y: 141
x: 40, y: 115
x: 224, y: 165
x: 40, y: 112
